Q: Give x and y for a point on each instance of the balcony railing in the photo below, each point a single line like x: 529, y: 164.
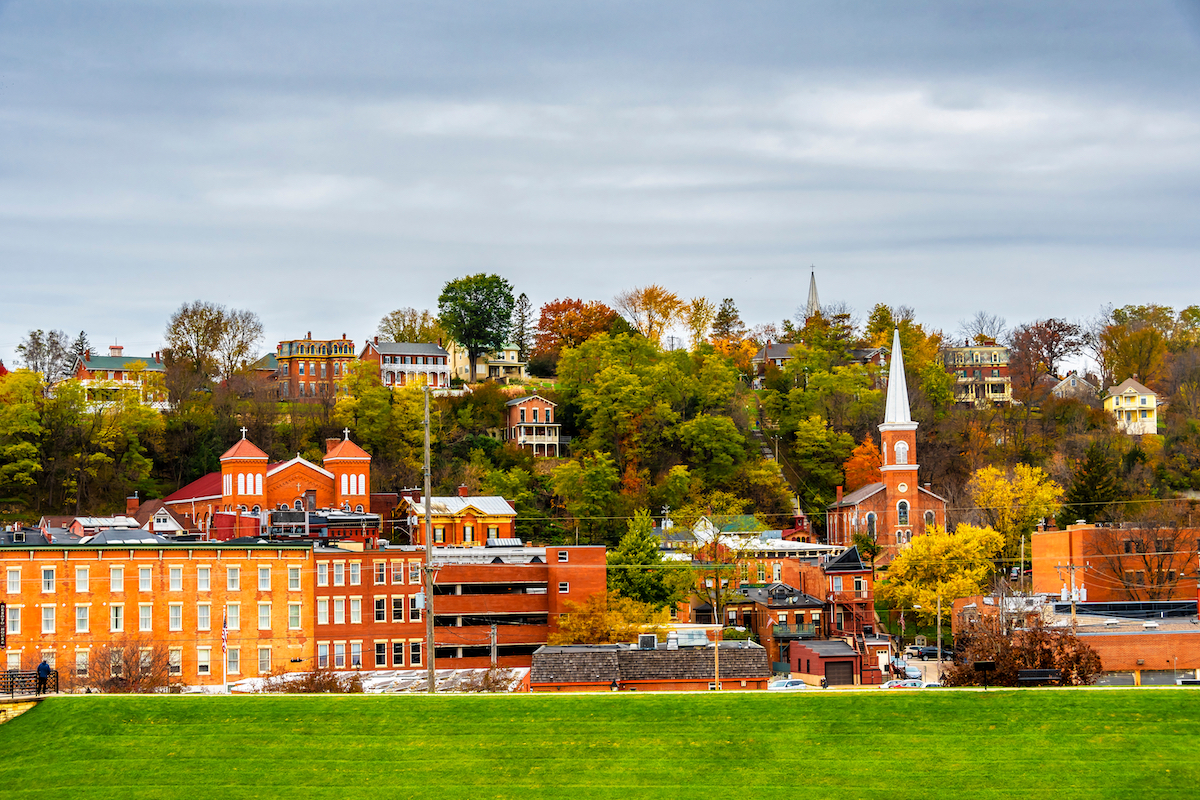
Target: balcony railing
x: 794, y: 631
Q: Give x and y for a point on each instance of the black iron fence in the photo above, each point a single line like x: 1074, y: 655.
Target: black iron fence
x: 25, y: 682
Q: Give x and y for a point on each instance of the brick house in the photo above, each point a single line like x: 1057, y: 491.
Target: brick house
x: 462, y: 520
x: 311, y: 369
x: 530, y: 423
x: 980, y: 373
x: 403, y: 363
x: 895, y: 508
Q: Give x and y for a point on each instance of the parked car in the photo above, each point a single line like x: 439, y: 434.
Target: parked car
x: 786, y: 685
x: 912, y: 651
x: 931, y: 685
x: 905, y: 684
x: 912, y: 673
x: 926, y: 653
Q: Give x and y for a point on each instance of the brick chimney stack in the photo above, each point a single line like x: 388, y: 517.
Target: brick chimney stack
x: 132, y: 504
x: 462, y: 490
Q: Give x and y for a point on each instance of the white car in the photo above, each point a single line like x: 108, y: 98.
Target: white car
x: 786, y: 685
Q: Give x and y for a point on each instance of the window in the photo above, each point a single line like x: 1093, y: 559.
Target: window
x: 414, y: 610
x: 355, y: 610
x: 14, y: 581
x: 563, y: 555
x: 355, y: 574
x: 176, y: 579
x: 264, y: 616
x: 233, y: 578
x: 339, y: 574
x: 439, y: 535
x: 871, y: 524
x: 241, y: 481
x: 322, y: 655
x: 233, y: 616
x: 930, y: 519
x: 203, y: 579
x: 397, y: 654
x: 356, y: 654
x: 397, y: 609
x: 264, y: 579
x: 397, y: 573
x: 762, y: 573
x: 381, y: 654
x: 81, y: 579
x: 414, y: 651
x: 535, y: 415
x: 143, y: 579
x: 414, y: 572
x: 901, y: 452
x: 233, y: 660
x: 322, y: 574
x: 175, y: 661
x: 468, y: 533
x: 339, y: 655
x: 81, y: 618
x: 14, y: 621
x: 339, y: 611
x: 203, y: 617
x: 564, y: 587
x: 293, y: 616
x: 81, y: 663
x: 380, y: 572
x: 117, y: 617
x: 145, y: 617
x: 322, y: 611
x: 293, y: 579
x: 48, y: 580
x: 902, y: 512
x: 264, y: 660
x: 381, y: 609
x: 776, y: 572
x: 175, y: 616
x: 837, y: 583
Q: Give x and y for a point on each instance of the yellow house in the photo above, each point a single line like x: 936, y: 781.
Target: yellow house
x: 1135, y: 407
x: 503, y: 366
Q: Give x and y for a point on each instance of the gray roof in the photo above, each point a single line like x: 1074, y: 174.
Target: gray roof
x: 1127, y: 385
x: 827, y: 648
x: 780, y: 594
x: 858, y: 495
x: 849, y: 561
x: 516, y: 401
x: 775, y: 350
x: 409, y: 348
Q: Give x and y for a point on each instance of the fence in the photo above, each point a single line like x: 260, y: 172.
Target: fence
x: 24, y: 682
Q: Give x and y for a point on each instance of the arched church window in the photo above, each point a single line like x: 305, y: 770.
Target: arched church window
x: 902, y: 512
x: 901, y: 452
x: 871, y: 524
x: 299, y: 505
x: 930, y: 519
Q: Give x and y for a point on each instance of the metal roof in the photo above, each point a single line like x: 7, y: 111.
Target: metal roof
x: 485, y: 504
x: 409, y: 348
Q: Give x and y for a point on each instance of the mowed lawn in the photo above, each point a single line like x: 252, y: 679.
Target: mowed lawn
x: 1057, y: 744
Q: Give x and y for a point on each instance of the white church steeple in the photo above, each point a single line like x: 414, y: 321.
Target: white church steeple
x: 814, y: 303
x: 896, y: 413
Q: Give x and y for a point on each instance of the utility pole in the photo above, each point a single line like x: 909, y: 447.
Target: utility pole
x: 431, y: 670
x: 717, y: 656
x: 1021, y: 582
x: 939, y: 632
x: 493, y: 644
x: 1071, y: 569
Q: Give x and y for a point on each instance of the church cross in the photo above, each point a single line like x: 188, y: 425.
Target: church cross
x: 346, y: 433
x: 244, y: 429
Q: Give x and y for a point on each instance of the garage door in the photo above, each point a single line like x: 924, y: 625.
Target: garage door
x: 839, y: 673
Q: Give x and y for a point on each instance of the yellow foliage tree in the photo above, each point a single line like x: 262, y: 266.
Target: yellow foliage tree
x: 1013, y: 502
x: 949, y: 565
x: 607, y: 620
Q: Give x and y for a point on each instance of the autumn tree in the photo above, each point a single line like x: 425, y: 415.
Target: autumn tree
x: 192, y: 335
x: 129, y: 665
x: 570, y: 323
x: 1147, y: 557
x: 606, y: 619
x: 410, y: 325
x: 1013, y: 502
x: 237, y: 345
x: 698, y: 316
x: 651, y: 310
x: 637, y: 569
x: 727, y: 323
x: 1037, y: 349
x: 863, y: 466
x: 476, y: 311
x: 1033, y: 647
x: 981, y: 328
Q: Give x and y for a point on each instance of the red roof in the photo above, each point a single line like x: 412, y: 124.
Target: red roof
x: 244, y: 449
x: 346, y: 449
x: 208, y: 486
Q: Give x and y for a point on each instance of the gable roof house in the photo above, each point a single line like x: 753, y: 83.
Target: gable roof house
x: 103, y: 377
x: 1134, y: 406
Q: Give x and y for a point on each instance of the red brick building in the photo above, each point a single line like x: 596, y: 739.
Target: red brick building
x: 312, y: 369
x: 462, y: 520
x: 531, y: 423
x: 895, y: 508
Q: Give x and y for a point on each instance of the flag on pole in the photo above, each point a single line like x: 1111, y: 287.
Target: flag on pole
x: 225, y: 631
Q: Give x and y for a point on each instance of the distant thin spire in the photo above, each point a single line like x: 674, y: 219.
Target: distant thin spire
x: 897, y: 391
x: 814, y: 302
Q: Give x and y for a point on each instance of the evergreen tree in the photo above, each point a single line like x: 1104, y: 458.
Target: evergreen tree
x: 637, y: 569
x: 81, y: 344
x: 1094, y: 487
x: 522, y: 327
x: 727, y: 324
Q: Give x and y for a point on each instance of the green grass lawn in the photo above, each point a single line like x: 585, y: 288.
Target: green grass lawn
x: 943, y: 744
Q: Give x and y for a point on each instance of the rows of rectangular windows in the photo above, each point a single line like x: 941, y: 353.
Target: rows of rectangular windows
x: 342, y: 610
x: 117, y: 578
x: 204, y: 660
x: 340, y: 573
x: 340, y: 655
x: 145, y: 617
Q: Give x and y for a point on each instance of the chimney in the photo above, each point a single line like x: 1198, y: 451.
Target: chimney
x: 308, y: 335
x: 330, y: 444
x: 462, y: 490
x: 87, y: 354
x: 158, y: 356
x: 376, y: 340
x: 132, y: 504
x: 839, y: 495
x: 928, y: 486
x: 115, y: 350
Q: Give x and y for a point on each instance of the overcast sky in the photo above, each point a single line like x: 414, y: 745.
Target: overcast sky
x: 325, y: 163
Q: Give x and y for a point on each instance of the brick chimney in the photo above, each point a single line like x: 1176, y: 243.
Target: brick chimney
x: 462, y: 490
x: 87, y: 354
x: 376, y: 340
x: 839, y: 495
x: 330, y: 444
x: 132, y: 504
x: 158, y: 356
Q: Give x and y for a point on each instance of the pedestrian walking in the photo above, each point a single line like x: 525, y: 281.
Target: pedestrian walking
x: 43, y: 675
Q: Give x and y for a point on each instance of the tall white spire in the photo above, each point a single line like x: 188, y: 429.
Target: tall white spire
x: 897, y: 393
x: 814, y: 303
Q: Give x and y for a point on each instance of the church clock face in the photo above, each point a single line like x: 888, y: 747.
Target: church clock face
x: 903, y: 488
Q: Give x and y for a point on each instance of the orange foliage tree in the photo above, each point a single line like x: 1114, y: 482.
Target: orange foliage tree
x: 863, y: 466
x: 569, y: 323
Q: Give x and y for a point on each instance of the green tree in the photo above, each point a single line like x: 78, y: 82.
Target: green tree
x: 20, y: 433
x: 714, y: 445
x: 476, y: 311
x: 1095, y: 486
x: 636, y: 568
x: 409, y: 324
x: 589, y: 492
x: 727, y: 324
x: 523, y: 327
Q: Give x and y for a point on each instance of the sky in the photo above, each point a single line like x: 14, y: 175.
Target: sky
x: 325, y: 163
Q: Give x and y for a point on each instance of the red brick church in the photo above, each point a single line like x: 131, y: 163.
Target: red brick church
x: 899, y: 506
x: 247, y: 483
